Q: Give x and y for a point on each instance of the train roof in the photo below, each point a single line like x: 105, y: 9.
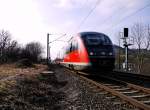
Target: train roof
x: 85, y: 33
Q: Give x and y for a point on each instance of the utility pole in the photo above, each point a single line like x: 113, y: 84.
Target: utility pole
x: 126, y: 47
x: 1, y: 51
x: 48, y: 48
x: 148, y: 27
x: 126, y: 53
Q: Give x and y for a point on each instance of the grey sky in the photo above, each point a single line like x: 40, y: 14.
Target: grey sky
x: 31, y: 20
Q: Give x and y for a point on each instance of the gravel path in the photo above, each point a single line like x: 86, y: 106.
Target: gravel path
x: 80, y: 97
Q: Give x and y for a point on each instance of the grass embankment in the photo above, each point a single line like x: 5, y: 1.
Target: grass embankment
x: 11, y: 69
x: 29, y: 90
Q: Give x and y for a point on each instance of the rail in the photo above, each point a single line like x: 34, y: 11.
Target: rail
x: 130, y: 93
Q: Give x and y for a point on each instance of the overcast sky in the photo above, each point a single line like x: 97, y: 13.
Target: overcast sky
x: 31, y: 20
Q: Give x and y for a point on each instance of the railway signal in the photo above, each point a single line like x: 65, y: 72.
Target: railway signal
x: 126, y: 45
x: 125, y: 32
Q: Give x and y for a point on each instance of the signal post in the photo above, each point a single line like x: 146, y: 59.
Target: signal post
x: 126, y: 45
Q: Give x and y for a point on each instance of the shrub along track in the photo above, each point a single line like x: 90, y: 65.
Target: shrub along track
x: 130, y: 95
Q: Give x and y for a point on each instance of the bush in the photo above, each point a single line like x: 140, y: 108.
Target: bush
x: 24, y: 63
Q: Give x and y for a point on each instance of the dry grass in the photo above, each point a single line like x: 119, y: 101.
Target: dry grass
x: 11, y: 69
x: 8, y: 74
x: 31, y: 91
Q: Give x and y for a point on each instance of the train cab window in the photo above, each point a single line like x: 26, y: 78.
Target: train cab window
x: 97, y: 40
x: 93, y: 40
x: 106, y: 40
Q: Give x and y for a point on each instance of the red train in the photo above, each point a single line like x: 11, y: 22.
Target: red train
x: 89, y: 50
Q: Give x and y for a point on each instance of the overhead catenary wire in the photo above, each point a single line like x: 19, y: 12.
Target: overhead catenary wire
x: 127, y: 17
x: 110, y: 17
x: 86, y: 17
x: 58, y: 38
x: 65, y: 34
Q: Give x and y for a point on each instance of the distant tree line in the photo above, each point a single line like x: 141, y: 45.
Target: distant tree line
x: 11, y: 51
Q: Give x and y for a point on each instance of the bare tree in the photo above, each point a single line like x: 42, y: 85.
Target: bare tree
x: 9, y: 49
x: 33, y: 51
x: 13, y: 51
x: 141, y: 36
x: 147, y: 43
x: 4, y: 43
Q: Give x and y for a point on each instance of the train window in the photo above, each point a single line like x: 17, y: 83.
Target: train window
x: 93, y: 40
x: 97, y: 39
x: 106, y: 40
x: 74, y: 45
x: 67, y: 50
x: 71, y: 47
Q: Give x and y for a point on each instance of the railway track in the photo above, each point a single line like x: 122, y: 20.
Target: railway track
x: 119, y: 92
x: 137, y: 79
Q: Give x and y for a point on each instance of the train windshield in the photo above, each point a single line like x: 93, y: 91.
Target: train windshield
x: 97, y: 39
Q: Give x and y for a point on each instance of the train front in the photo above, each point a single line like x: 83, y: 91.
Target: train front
x: 100, y: 50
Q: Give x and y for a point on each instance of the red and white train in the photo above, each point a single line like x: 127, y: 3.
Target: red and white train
x: 89, y: 50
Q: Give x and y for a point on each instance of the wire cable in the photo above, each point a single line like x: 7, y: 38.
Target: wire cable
x: 90, y: 12
x: 58, y: 38
x: 110, y: 17
x: 127, y: 17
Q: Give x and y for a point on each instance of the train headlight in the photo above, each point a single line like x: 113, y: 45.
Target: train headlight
x: 91, y: 53
x: 110, y: 53
x: 103, y: 53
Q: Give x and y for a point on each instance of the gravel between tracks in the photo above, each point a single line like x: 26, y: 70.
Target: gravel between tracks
x: 80, y: 97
